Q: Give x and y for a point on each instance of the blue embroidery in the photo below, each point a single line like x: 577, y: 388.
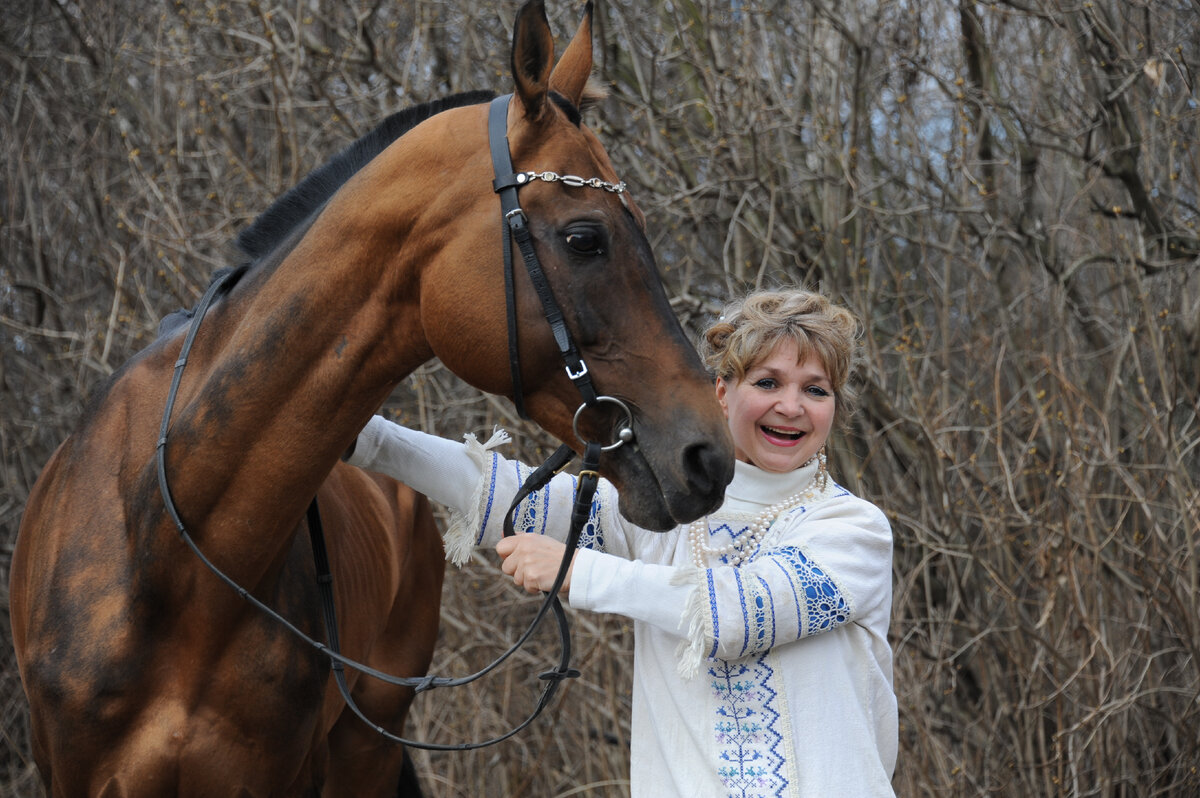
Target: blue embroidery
x: 788, y: 572
x: 820, y: 605
x: 748, y: 743
x: 712, y: 608
x: 737, y: 578
x: 533, y: 514
x: 491, y: 496
x: 591, y: 536
x: 762, y: 612
x: 723, y: 526
x: 526, y: 519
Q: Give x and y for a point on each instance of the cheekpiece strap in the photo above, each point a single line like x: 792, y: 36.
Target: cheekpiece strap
x: 506, y: 182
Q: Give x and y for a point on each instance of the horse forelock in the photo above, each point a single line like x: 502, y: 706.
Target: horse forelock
x: 568, y: 108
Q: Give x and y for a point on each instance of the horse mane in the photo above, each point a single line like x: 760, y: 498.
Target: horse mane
x: 297, y: 206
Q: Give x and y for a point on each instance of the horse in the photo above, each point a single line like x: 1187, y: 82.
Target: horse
x: 146, y: 674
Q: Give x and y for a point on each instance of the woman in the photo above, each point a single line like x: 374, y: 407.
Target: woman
x: 761, y: 660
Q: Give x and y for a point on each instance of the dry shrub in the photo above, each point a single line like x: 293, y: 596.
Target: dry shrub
x: 1006, y: 193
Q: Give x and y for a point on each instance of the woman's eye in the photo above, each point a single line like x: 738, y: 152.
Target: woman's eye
x: 585, y: 242
x: 817, y: 390
x: 766, y: 383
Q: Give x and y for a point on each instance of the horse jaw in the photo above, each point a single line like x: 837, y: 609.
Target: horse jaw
x: 649, y: 501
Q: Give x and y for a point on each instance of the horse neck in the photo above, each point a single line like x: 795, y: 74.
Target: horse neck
x: 300, y: 354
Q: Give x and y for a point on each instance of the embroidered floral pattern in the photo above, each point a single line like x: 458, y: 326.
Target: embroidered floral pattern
x: 748, y: 743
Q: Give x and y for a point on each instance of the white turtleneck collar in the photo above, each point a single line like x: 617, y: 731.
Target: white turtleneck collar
x: 752, y: 489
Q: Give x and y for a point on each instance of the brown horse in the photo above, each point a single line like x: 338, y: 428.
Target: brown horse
x: 146, y: 675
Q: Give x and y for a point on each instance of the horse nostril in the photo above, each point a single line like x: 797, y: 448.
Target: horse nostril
x: 706, y: 469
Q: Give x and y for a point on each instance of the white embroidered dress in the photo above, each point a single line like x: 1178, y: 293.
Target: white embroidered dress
x: 769, y: 678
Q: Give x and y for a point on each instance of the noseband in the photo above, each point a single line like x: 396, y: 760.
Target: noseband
x: 516, y: 228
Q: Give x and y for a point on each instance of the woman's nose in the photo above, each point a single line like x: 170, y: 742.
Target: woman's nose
x: 790, y: 402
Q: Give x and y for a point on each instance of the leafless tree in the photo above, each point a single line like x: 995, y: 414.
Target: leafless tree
x: 1007, y: 193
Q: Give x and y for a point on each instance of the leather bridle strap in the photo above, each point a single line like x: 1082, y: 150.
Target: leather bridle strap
x: 516, y: 228
x: 581, y: 510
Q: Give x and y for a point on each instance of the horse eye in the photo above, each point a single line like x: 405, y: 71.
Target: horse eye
x: 585, y: 242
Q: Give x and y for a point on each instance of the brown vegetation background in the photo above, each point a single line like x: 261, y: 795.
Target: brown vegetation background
x: 1007, y: 193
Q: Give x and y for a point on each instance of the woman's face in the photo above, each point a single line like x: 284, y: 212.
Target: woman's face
x: 781, y: 413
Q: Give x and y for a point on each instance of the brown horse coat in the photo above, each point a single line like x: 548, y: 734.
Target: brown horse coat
x: 146, y: 675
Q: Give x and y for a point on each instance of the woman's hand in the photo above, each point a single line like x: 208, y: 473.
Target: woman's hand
x: 533, y: 560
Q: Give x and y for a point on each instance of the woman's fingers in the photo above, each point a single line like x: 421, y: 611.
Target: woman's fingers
x: 532, y: 561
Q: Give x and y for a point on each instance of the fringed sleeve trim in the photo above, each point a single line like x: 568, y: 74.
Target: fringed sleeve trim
x: 697, y: 620
x: 464, y: 525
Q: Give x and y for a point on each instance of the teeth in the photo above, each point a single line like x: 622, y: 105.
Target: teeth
x: 783, y: 433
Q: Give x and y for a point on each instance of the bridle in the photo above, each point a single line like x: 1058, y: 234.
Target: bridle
x: 516, y: 228
x: 506, y: 184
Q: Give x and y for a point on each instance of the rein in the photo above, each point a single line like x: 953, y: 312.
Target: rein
x: 505, y: 184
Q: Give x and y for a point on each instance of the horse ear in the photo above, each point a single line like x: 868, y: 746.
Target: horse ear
x: 570, y: 77
x: 532, y: 56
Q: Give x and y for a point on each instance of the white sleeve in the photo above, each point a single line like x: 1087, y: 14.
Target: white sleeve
x: 448, y: 472
x: 441, y: 469
x: 831, y: 568
x: 477, y: 485
x: 546, y: 511
x: 602, y: 582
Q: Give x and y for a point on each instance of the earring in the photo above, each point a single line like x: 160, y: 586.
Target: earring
x: 821, y: 478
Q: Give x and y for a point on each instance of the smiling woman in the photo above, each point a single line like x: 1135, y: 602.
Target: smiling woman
x: 781, y: 413
x: 782, y: 361
x: 754, y: 627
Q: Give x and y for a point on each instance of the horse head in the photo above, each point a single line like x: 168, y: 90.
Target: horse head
x: 592, y: 245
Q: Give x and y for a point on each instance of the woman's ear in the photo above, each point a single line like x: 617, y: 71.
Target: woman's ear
x: 721, y: 389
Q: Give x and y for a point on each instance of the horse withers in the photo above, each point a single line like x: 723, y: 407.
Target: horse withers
x: 146, y: 674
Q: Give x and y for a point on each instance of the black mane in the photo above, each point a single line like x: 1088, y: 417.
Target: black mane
x: 302, y: 201
x: 297, y: 206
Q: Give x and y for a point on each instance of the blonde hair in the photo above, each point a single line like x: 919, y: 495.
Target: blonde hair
x: 751, y: 327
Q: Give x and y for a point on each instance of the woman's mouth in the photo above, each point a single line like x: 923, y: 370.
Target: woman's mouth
x: 781, y: 435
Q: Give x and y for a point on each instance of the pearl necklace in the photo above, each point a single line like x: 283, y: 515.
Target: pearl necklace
x: 742, y: 547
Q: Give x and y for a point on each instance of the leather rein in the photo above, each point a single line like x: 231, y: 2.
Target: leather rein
x: 506, y: 184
